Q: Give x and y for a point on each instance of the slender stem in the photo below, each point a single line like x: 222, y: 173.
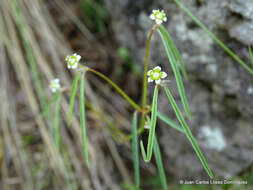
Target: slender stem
x: 144, y: 91
x: 121, y: 92
x: 145, y: 80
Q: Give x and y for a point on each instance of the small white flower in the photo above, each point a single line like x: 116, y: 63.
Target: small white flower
x: 55, y: 85
x: 156, y: 75
x: 158, y: 16
x: 73, y: 61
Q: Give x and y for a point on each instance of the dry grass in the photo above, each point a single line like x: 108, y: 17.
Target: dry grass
x: 31, y: 160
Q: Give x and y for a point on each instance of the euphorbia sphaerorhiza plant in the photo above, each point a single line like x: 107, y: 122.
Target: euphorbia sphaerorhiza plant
x: 154, y: 76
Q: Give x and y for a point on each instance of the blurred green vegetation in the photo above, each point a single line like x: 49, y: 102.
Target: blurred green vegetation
x: 95, y: 15
x: 128, y: 62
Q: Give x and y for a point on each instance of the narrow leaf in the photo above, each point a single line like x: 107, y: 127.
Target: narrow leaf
x: 159, y: 164
x: 82, y: 120
x: 143, y: 152
x: 57, y: 120
x: 215, y: 38
x: 187, y: 130
x: 176, y: 73
x: 49, y: 104
x: 251, y: 56
x: 135, y: 151
x: 170, y: 122
x: 175, y: 50
x: 72, y: 98
x: 152, y: 125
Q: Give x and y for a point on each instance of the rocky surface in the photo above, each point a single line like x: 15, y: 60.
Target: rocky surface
x: 219, y: 90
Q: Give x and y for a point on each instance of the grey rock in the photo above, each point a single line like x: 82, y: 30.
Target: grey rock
x: 242, y: 7
x: 219, y: 90
x: 243, y: 32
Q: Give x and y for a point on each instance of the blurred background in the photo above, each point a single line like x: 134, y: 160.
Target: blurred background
x: 110, y: 35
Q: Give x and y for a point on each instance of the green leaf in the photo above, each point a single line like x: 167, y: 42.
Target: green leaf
x: 174, y: 49
x: 188, y: 132
x: 135, y: 151
x: 57, y: 120
x: 143, y: 152
x: 170, y: 122
x: 151, y: 135
x: 49, y: 104
x: 176, y: 72
x: 82, y: 120
x: 159, y: 164
x: 251, y: 56
x: 72, y: 98
x: 218, y: 41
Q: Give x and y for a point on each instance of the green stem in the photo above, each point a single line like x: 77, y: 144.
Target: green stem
x: 82, y: 120
x: 145, y: 78
x: 121, y: 92
x: 57, y: 121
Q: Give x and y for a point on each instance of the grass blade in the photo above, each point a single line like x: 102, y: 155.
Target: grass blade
x: 82, y: 120
x: 169, y: 122
x: 152, y: 125
x: 175, y: 50
x: 251, y: 56
x: 135, y: 151
x: 218, y: 41
x: 29, y: 53
x: 57, y: 120
x: 176, y: 72
x: 187, y: 130
x: 49, y: 104
x: 72, y: 98
x: 159, y: 164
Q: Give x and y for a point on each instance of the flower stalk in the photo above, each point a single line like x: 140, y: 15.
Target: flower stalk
x: 145, y: 79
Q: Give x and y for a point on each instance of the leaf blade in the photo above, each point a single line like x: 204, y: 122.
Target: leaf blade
x: 151, y: 135
x: 135, y: 151
x: 169, y: 122
x: 218, y: 41
x: 175, y: 50
x: 48, y: 105
x: 251, y: 56
x: 57, y: 121
x: 72, y: 98
x: 188, y: 132
x: 177, y: 75
x: 159, y: 164
x: 82, y: 120
x: 143, y: 152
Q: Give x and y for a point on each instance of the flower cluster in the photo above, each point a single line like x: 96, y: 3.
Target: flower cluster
x: 55, y: 85
x: 156, y: 75
x: 158, y: 16
x: 73, y: 61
